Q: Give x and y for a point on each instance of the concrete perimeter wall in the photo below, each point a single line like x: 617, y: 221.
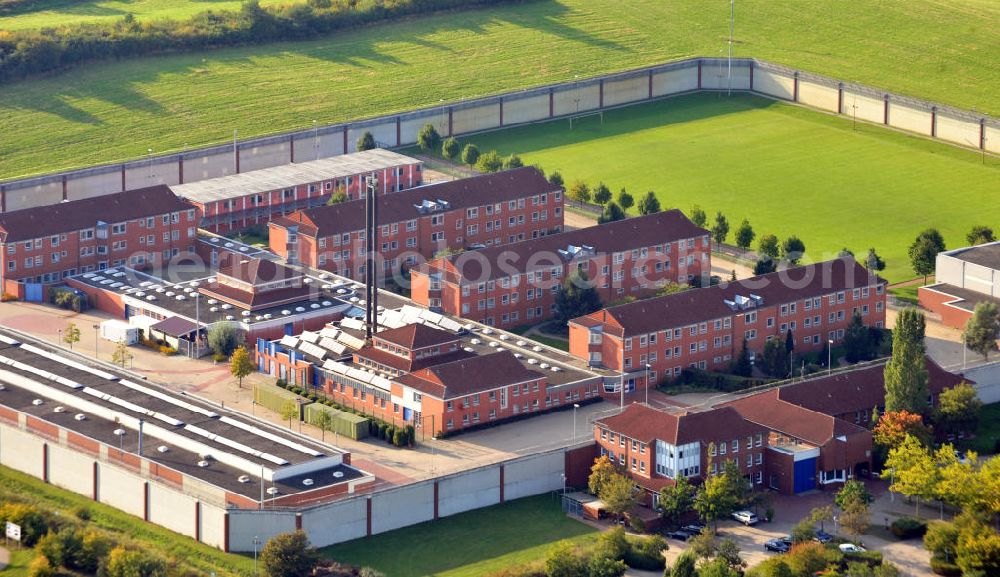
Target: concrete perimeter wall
x: 370, y: 514
x: 558, y: 100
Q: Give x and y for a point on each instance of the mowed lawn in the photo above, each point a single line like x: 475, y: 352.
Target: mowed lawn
x: 788, y: 169
x: 53, y: 13
x: 109, y: 111
x: 469, y: 544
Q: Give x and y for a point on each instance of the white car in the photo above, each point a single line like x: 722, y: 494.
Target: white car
x: 745, y: 517
x: 850, y: 548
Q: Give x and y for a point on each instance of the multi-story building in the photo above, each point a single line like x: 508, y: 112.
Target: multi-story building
x: 237, y: 201
x: 506, y: 286
x: 705, y: 328
x: 426, y: 376
x: 487, y: 210
x: 138, y: 228
x: 963, y: 278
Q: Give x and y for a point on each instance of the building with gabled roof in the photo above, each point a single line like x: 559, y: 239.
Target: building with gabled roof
x: 511, y: 285
x: 485, y: 210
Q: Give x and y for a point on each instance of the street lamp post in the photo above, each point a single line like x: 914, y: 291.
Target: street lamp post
x: 149, y: 169
x: 575, y: 407
x: 197, y: 324
x: 316, y: 139
x: 829, y: 356
x: 59, y: 343
x: 256, y: 542
x: 647, y: 382
x: 96, y: 341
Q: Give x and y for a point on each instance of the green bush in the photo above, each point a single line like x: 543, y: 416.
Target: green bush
x: 941, y: 567
x: 489, y: 162
x: 450, y: 148
x: 908, y: 528
x: 470, y: 154
x: 646, y: 553
x: 41, y: 567
x: 870, y: 558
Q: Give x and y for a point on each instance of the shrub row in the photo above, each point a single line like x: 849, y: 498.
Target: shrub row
x: 717, y: 381
x: 25, y: 52
x: 908, y: 528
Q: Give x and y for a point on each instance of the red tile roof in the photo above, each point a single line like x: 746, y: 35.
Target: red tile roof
x: 541, y: 253
x: 401, y: 206
x: 406, y: 365
x: 86, y: 213
x: 768, y: 410
x: 417, y: 336
x: 256, y: 300
x: 644, y: 423
x: 857, y: 390
x: 699, y: 305
x: 475, y: 374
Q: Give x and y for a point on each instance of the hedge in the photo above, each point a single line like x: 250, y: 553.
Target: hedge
x: 942, y: 567
x: 718, y: 381
x: 351, y: 426
x: 908, y: 528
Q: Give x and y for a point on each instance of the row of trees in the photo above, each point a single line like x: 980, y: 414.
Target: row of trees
x: 615, y: 206
x: 26, y: 52
x: 925, y: 248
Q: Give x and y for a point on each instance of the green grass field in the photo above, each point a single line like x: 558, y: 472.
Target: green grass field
x: 160, y: 540
x: 469, y: 544
x: 110, y: 111
x: 54, y: 13
x: 788, y: 169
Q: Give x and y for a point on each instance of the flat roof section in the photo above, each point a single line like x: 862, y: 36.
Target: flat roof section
x: 987, y: 255
x: 289, y: 175
x: 965, y: 299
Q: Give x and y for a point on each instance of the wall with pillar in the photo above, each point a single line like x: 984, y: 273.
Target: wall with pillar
x: 476, y: 115
x: 402, y: 507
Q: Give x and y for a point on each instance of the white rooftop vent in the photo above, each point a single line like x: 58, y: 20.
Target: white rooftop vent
x: 194, y: 284
x: 544, y: 365
x: 307, y: 280
x: 518, y: 356
x: 338, y: 474
x: 162, y: 449
x: 286, y: 312
x: 259, y: 317
x: 151, y: 298
x: 228, y: 245
x: 226, y: 306
x: 504, y: 337
x: 355, y: 299
x: 230, y: 317
x: 520, y: 343
x: 272, y: 490
x: 307, y: 482
x: 327, y: 304
x: 536, y: 348
x: 245, y: 313
x: 300, y: 309
x: 119, y: 432
x: 171, y: 293
x: 243, y: 478
x: 556, y: 369
x: 469, y: 350
x: 267, y: 315
x: 244, y: 249
x: 37, y: 402
x: 493, y: 344
x: 342, y: 291
x: 314, y: 306
x: 159, y: 290
x: 59, y: 409
x: 188, y: 290
x: 213, y: 309
x: 181, y: 297
x: 476, y: 341
x: 532, y: 361
x: 202, y: 464
x: 487, y: 331
x: 324, y: 276
x: 212, y: 301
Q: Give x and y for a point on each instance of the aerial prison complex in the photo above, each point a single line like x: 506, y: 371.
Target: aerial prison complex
x: 484, y: 254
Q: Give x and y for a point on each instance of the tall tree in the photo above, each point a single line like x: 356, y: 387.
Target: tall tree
x: 958, y: 410
x: 763, y: 265
x: 905, y: 374
x: 857, y: 340
x: 774, y: 361
x: 121, y: 355
x: 914, y: 472
x: 853, y: 491
x: 924, y: 250
x: 720, y: 230
x: 768, y: 246
x: 720, y: 494
x: 698, y: 216
x: 793, y: 249
x: 649, y: 204
x: 223, y: 339
x: 580, y: 192
x: 602, y: 194
x: 289, y: 411
x: 428, y: 137
x: 982, y: 329
x: 612, y: 212
x: 513, y: 161
x: 618, y: 494
x: 625, y: 199
x: 241, y: 365
x: 742, y: 366
x: 602, y: 470
x: 324, y: 422
x: 450, y: 148
x: 873, y: 262
x: 489, y: 162
x: 71, y: 335
x: 676, y: 500
x: 894, y: 426
x: 470, y: 156
x: 980, y: 235
x: 556, y: 178
x: 744, y: 235
x: 365, y: 142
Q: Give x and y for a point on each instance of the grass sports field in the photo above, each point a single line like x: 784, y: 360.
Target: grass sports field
x: 111, y: 111
x: 788, y: 169
x: 49, y: 13
x: 469, y: 544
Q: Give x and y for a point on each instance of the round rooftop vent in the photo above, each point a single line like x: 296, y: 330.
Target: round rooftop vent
x: 79, y: 417
x: 475, y: 341
x: 487, y: 331
x: 162, y: 449
x: 120, y: 432
x: 212, y: 301
x: 327, y: 304
x: 272, y: 490
x: 228, y: 245
x: 493, y: 344
x: 520, y: 343
x: 170, y: 293
x: 504, y: 337
x: 338, y: 474
x: 300, y: 309
x: 226, y: 306
x: 202, y: 464
x: 518, y: 356
x: 307, y: 280
x: 258, y: 318
x: 470, y: 350
x: 532, y: 361
x: 286, y: 312
x: 544, y: 365
x: 342, y: 291
x: 37, y: 402
x: 59, y: 409
x: 536, y: 348
x: 314, y: 306
x: 245, y: 313
x: 213, y: 309
x: 556, y: 369
x: 151, y: 298
x: 230, y: 317
x: 307, y: 482
x: 324, y: 276
x: 243, y: 478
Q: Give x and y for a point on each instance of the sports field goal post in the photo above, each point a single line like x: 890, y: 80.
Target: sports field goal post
x: 578, y: 117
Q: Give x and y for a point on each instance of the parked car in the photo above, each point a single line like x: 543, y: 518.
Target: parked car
x: 679, y: 535
x: 777, y: 545
x: 693, y: 529
x: 851, y: 548
x: 823, y: 536
x: 746, y: 517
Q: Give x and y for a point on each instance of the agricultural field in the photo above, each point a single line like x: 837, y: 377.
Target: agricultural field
x: 109, y: 111
x: 54, y: 13
x: 788, y: 169
x: 469, y: 544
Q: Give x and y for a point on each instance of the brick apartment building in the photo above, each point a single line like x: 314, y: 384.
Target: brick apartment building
x: 138, y: 228
x: 705, y: 328
x: 426, y: 376
x: 487, y: 210
x: 506, y: 286
x: 963, y: 278
x: 237, y: 201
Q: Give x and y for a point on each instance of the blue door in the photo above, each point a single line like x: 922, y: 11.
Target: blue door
x: 407, y: 414
x: 804, y: 475
x: 289, y: 331
x: 33, y: 292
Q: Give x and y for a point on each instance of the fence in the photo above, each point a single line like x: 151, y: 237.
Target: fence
x: 527, y: 106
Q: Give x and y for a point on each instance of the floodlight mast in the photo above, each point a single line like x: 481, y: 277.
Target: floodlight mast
x: 729, y: 71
